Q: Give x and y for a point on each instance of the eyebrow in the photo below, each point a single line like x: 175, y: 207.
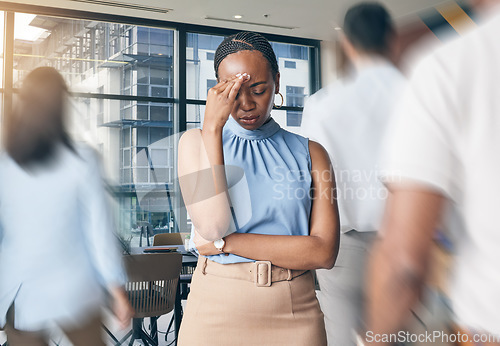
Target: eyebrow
x: 258, y: 83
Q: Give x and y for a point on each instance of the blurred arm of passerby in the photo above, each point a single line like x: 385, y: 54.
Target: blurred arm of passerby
x: 429, y: 163
x: 100, y: 238
x: 121, y: 306
x: 400, y: 260
x: 420, y: 175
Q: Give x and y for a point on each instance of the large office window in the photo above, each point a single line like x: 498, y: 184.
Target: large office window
x: 200, y: 64
x: 102, y: 63
x: 131, y: 97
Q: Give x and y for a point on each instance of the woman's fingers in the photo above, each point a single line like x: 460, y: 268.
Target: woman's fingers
x: 226, y: 87
x: 221, y: 99
x: 229, y: 84
x: 224, y: 90
x: 234, y: 89
x: 217, y: 88
x: 221, y: 86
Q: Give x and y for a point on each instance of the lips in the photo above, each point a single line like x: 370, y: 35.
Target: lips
x: 250, y: 119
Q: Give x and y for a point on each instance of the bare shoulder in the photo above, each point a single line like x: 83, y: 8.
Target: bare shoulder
x: 190, y: 141
x: 319, y: 155
x: 193, y: 135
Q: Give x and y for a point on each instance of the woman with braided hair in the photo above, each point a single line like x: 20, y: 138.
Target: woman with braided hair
x: 262, y: 203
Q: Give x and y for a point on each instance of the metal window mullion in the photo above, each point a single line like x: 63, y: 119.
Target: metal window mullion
x: 314, y: 69
x: 8, y: 61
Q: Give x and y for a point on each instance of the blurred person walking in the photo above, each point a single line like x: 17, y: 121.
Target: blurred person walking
x: 349, y: 118
x: 444, y: 150
x: 57, y: 250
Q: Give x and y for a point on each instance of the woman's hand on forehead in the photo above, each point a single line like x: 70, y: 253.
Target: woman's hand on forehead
x: 221, y: 99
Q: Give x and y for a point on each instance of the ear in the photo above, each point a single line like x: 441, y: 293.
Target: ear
x: 277, y: 83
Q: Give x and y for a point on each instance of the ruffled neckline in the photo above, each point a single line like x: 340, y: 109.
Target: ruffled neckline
x: 263, y: 132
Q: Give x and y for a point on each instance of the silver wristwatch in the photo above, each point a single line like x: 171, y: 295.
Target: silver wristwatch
x: 219, y: 245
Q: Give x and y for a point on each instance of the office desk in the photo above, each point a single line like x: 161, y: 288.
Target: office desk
x: 187, y: 257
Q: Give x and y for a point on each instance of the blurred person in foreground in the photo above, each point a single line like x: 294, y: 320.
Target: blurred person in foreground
x: 445, y: 152
x: 349, y: 118
x: 57, y: 249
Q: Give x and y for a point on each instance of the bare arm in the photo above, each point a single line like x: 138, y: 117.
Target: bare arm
x: 318, y: 250
x: 399, y: 263
x: 201, y: 164
x: 203, y: 183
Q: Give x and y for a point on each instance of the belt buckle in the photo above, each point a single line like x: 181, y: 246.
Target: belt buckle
x: 263, y: 273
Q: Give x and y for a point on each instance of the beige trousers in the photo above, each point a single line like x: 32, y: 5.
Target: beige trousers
x: 226, y: 306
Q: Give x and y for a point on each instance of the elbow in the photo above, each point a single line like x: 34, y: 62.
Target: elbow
x: 324, y: 259
x: 327, y: 261
x: 328, y: 257
x: 211, y: 227
x: 212, y: 232
x: 209, y: 234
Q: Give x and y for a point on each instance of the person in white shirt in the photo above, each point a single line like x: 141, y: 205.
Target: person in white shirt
x: 445, y: 147
x: 349, y: 118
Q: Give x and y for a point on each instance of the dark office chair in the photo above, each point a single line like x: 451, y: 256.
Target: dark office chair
x: 152, y: 288
x: 167, y: 239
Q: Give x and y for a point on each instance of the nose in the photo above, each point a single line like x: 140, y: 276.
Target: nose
x: 245, y: 101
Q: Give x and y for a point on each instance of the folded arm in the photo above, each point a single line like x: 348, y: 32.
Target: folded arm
x: 318, y: 250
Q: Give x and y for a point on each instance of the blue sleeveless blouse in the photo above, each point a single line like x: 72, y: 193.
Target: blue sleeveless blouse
x: 269, y: 179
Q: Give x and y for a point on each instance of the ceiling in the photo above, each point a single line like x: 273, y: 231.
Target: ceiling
x: 300, y: 18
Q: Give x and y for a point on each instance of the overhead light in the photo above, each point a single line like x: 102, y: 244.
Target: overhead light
x: 250, y: 23
x: 338, y: 28
x: 237, y: 16
x: 127, y: 5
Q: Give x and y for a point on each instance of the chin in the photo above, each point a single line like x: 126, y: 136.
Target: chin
x: 250, y: 127
x: 250, y: 124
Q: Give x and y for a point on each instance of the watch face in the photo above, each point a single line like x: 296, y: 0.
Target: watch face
x: 219, y: 244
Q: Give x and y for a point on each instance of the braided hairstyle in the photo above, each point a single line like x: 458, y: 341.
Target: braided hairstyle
x: 245, y: 41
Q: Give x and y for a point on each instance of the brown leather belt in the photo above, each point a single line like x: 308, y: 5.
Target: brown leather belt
x: 262, y: 273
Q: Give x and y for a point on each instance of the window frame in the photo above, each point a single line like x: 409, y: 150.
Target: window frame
x: 179, y: 98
